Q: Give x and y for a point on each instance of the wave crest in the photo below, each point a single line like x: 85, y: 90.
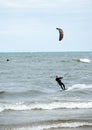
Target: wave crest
x: 61, y: 125
x: 45, y: 106
x: 82, y: 60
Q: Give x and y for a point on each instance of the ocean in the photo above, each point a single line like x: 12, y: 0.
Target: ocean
x: 31, y: 99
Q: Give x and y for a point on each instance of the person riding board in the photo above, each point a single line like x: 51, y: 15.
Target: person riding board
x: 58, y: 79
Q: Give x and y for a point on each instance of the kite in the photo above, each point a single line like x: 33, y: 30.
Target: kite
x: 61, y: 34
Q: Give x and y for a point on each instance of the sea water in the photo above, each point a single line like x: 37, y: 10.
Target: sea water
x: 31, y: 99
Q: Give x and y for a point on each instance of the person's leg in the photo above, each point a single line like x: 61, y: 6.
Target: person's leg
x: 63, y: 86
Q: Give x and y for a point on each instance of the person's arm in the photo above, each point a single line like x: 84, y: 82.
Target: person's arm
x: 60, y: 77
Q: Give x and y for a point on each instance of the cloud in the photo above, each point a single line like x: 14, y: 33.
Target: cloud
x: 56, y: 6
x: 24, y: 4
x: 40, y: 3
x: 47, y: 6
x: 9, y: 4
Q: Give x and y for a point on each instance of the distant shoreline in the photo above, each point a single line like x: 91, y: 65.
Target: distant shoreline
x: 51, y: 52
x: 45, y: 53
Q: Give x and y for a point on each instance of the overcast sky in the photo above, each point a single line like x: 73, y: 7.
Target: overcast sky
x: 30, y: 25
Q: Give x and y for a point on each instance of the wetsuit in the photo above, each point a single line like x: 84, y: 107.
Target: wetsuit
x: 58, y: 79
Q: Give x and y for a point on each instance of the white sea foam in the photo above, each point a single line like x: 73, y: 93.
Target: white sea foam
x: 85, y: 60
x: 58, y: 125
x: 46, y: 106
x: 79, y: 87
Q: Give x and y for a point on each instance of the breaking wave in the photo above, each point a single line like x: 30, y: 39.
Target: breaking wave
x: 83, y: 60
x: 79, y: 87
x: 67, y: 124
x: 45, y: 106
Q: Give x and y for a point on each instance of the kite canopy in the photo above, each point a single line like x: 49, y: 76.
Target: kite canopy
x: 61, y: 34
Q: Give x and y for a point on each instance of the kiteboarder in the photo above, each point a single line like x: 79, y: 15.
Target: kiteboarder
x: 58, y: 79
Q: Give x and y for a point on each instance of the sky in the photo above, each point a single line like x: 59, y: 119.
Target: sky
x: 30, y: 25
